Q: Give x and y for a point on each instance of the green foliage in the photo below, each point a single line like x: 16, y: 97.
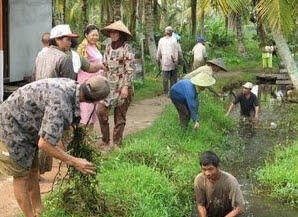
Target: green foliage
x: 152, y: 174
x: 280, y: 175
x: 216, y: 33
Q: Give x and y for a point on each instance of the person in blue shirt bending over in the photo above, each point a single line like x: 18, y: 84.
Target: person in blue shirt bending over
x: 184, y: 96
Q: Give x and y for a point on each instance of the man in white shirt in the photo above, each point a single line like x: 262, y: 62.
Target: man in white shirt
x: 200, y: 54
x: 167, y: 54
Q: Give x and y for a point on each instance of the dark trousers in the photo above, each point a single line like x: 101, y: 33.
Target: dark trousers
x: 166, y: 77
x: 119, y: 119
x: 184, y: 114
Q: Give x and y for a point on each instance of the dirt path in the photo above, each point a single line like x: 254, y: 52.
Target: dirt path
x: 140, y: 115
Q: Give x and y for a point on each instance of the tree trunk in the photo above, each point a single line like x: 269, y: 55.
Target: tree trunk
x: 164, y: 16
x: 117, y: 10
x: 140, y: 11
x: 202, y: 23
x: 84, y: 12
x: 149, y: 24
x: 239, y: 35
x: 64, y: 11
x: 261, y: 33
x: 193, y: 17
x: 102, y: 15
x: 156, y: 16
x: 133, y: 17
x: 286, y: 56
x: 109, y: 17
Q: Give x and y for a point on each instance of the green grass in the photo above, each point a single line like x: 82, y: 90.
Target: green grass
x: 152, y: 174
x: 280, y: 175
x: 148, y: 88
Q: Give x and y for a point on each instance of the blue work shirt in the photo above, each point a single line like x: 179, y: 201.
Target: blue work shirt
x: 184, y: 92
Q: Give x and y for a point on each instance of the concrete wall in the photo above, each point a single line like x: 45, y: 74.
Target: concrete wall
x: 28, y: 19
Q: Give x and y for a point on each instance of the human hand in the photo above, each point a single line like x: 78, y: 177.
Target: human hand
x: 196, y: 126
x: 124, y: 92
x: 84, y: 166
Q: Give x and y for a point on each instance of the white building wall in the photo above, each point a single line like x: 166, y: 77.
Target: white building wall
x: 28, y: 19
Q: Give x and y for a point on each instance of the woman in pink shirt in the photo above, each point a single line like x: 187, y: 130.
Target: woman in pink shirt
x: 89, y: 49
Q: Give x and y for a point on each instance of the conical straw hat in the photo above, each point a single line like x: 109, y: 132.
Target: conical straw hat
x: 203, y: 80
x: 218, y: 62
x: 119, y: 26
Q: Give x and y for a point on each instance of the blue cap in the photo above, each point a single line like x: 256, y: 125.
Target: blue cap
x: 178, y: 37
x: 200, y: 39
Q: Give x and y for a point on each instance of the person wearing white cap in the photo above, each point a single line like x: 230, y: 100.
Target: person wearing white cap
x: 33, y: 118
x: 167, y: 54
x: 55, y: 62
x: 184, y: 96
x: 248, y: 103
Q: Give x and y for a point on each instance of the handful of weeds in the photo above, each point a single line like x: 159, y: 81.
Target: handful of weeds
x: 81, y: 196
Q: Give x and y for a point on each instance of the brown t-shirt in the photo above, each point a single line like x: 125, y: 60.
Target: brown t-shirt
x: 220, y: 199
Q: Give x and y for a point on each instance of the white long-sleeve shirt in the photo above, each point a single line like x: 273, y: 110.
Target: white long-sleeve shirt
x: 167, y: 51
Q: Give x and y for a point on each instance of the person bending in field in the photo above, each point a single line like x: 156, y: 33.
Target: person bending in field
x: 217, y: 192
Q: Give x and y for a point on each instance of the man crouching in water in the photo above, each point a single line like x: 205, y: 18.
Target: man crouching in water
x: 217, y: 192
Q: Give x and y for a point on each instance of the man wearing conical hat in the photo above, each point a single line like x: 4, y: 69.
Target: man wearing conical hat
x: 184, y: 96
x: 118, y: 58
x: 211, y: 67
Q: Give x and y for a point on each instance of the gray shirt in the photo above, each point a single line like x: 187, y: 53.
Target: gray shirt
x: 53, y: 63
x: 220, y: 199
x: 44, y: 108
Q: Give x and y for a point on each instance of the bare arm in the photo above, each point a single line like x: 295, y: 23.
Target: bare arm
x: 202, y: 211
x: 80, y: 164
x: 257, y: 108
x: 235, y: 212
x: 230, y: 109
x: 94, y: 67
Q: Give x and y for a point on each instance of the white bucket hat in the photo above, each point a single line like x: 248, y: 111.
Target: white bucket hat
x: 248, y: 85
x: 62, y: 30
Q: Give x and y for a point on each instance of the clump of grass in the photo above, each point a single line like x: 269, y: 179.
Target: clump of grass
x: 280, y: 175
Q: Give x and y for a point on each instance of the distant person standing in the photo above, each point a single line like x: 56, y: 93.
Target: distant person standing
x: 167, y: 53
x: 200, y: 54
x: 217, y: 192
x: 267, y: 57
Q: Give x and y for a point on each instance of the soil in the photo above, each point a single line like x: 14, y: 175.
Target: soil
x: 140, y: 115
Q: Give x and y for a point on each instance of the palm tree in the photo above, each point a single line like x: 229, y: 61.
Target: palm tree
x: 84, y: 11
x: 280, y: 16
x: 117, y: 10
x: 194, y: 17
x: 149, y: 27
x: 232, y: 8
x: 133, y: 17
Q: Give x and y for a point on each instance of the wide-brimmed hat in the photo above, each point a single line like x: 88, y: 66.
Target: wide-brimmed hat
x: 99, y: 87
x: 203, y: 80
x: 118, y: 26
x: 248, y: 85
x: 62, y: 30
x: 218, y: 62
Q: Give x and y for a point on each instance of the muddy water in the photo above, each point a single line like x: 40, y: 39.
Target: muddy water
x: 274, y: 128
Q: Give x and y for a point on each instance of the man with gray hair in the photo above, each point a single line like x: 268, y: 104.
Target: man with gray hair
x: 34, y: 117
x: 167, y: 54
